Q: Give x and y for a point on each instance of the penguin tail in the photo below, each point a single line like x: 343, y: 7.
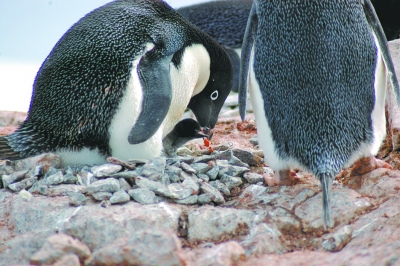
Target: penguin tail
x: 326, y: 183
x: 6, y: 152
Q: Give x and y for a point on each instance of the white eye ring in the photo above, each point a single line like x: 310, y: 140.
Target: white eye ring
x: 214, y: 95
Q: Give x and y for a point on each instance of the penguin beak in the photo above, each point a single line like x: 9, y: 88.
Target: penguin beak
x: 204, y: 132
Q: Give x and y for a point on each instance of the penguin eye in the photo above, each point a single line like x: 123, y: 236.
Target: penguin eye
x: 214, y: 95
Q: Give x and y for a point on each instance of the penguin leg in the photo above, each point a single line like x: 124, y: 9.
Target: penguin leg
x: 282, y: 178
x: 368, y: 164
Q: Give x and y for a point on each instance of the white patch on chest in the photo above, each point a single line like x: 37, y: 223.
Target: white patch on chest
x: 191, y: 76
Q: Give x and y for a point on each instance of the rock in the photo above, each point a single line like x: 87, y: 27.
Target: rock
x: 104, y: 185
x: 25, y: 195
x: 254, y: 140
x: 68, y: 260
x: 86, y: 177
x: 346, y: 204
x: 204, y: 177
x: 284, y: 220
x: 145, y: 247
x: 144, y: 196
x: 221, y: 187
x: 124, y: 185
x: 336, y: 241
x: 54, y: 191
x: 208, y: 189
x: 147, y: 183
x: 204, y: 158
x: 213, y: 172
x: 14, y: 177
x: 253, y: 178
x: 176, y: 191
x: 106, y: 170
x: 205, y: 198
x: 71, y: 179
x: 264, y: 239
x: 54, y: 179
x: 119, y: 197
x: 218, y: 224
x: 76, y: 199
x: 187, y: 168
x: 231, y: 181
x: 237, y: 162
x: 126, y: 164
x: 232, y: 170
x: 46, y: 159
x: 381, y: 183
x: 189, y: 200
x: 24, y: 184
x: 126, y: 175
x: 57, y: 246
x: 224, y: 254
x: 248, y: 157
x: 200, y: 168
x: 191, y: 183
x: 100, y: 196
x: 156, y: 165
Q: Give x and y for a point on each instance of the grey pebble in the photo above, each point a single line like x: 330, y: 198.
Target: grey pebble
x: 138, y: 161
x: 213, y: 172
x: 204, y: 177
x: 24, y: 184
x: 191, y: 183
x: 201, y: 168
x: 338, y: 240
x: 14, y: 177
x: 254, y: 140
x: 124, y: 184
x: 165, y: 179
x: 70, y: 179
x: 205, y: 199
x: 144, y: 182
x: 104, y: 185
x: 221, y: 187
x: 232, y: 170
x: 120, y: 197
x: 189, y: 200
x: 76, y: 198
x: 187, y: 168
x: 144, y: 196
x: 231, y: 181
x: 105, y: 170
x: 208, y: 189
x: 253, y: 178
x: 175, y: 191
x: 126, y: 174
x: 54, y: 179
x: 37, y: 171
x: 100, y: 196
x: 205, y: 158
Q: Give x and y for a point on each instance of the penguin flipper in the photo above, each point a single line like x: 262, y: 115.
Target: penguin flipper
x: 6, y: 153
x: 154, y: 75
x: 376, y: 27
x: 247, y: 46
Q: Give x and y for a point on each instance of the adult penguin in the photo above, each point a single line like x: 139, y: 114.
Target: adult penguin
x: 225, y: 21
x: 118, y: 81
x: 317, y: 77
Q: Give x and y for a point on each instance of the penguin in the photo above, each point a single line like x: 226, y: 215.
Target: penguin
x: 225, y: 21
x: 184, y: 131
x: 388, y: 14
x: 118, y: 81
x: 316, y: 73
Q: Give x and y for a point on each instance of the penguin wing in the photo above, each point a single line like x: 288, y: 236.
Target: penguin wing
x: 153, y: 71
x: 247, y: 46
x: 376, y: 27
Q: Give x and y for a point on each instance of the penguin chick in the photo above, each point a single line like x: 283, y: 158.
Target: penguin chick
x: 183, y: 132
x: 225, y: 21
x: 118, y: 81
x: 316, y: 72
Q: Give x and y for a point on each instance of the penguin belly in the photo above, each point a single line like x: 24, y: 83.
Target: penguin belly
x: 188, y: 79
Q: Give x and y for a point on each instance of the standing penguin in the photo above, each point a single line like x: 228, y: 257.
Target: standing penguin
x: 317, y: 77
x: 118, y: 81
x: 225, y: 21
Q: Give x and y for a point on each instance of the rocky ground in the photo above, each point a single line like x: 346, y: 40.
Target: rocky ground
x: 200, y: 208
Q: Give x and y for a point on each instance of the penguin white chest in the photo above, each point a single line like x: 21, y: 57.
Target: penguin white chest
x: 185, y: 80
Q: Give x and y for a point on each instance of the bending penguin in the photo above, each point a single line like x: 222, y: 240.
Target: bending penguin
x: 118, y: 81
x: 225, y: 21
x: 317, y: 73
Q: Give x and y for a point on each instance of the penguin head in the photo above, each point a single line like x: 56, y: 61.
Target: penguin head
x: 208, y: 103
x: 183, y: 132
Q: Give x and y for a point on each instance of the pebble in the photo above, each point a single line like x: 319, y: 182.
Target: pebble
x: 248, y: 157
x: 205, y: 199
x: 14, y: 177
x: 144, y: 196
x: 100, y: 196
x: 104, y: 185
x: 124, y: 184
x: 54, y: 179
x: 76, y: 199
x: 337, y: 241
x: 119, y: 197
x: 231, y: 181
x: 105, y: 170
x: 232, y: 170
x: 189, y: 200
x: 187, y: 168
x: 208, y: 189
x: 221, y: 187
x: 253, y: 178
x: 26, y: 195
x: 213, y: 172
x: 24, y: 184
x: 200, y: 168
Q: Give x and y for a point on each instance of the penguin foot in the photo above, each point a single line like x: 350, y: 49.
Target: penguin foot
x: 282, y: 178
x: 368, y: 164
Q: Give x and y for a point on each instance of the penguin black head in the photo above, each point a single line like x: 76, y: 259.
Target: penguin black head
x: 183, y: 132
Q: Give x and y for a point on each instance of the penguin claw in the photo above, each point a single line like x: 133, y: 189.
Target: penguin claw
x: 368, y: 164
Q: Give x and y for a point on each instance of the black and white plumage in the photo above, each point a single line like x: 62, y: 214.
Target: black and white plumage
x: 118, y: 81
x: 317, y: 72
x: 225, y: 21
x: 184, y: 131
